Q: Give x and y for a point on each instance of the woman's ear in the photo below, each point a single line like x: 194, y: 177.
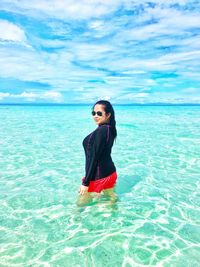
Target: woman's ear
x: 109, y: 115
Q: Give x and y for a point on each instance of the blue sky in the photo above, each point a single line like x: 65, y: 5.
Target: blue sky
x: 82, y: 51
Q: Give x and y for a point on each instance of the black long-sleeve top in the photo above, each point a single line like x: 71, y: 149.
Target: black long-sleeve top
x: 98, y: 146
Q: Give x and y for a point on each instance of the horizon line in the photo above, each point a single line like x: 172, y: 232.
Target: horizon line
x: 89, y: 104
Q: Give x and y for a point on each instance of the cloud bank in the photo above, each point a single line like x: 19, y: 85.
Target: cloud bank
x: 79, y: 52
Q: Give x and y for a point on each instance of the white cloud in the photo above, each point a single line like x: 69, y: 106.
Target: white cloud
x: 97, y: 24
x: 65, y: 9
x: 85, y: 51
x: 169, y: 17
x: 52, y: 95
x: 174, y: 97
x: 29, y: 96
x: 25, y: 95
x: 134, y: 97
x: 191, y: 90
x: 191, y: 74
x: 4, y: 95
x: 177, y: 57
x: 11, y: 32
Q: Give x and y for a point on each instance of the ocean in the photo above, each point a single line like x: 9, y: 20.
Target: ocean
x: 156, y: 219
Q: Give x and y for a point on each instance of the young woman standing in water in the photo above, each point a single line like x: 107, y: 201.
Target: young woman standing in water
x: 100, y: 171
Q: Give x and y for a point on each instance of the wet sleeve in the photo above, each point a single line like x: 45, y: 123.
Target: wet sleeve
x: 95, y: 153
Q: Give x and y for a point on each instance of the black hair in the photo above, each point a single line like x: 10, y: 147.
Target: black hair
x: 109, y: 109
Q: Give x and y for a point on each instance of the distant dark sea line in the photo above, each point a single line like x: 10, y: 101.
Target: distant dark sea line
x: 89, y: 104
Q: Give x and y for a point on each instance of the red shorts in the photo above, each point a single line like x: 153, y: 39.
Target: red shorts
x: 103, y: 183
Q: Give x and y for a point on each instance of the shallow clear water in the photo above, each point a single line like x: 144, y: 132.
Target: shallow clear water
x: 156, y: 220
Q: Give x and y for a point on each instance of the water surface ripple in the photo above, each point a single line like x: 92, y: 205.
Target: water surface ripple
x: 156, y: 219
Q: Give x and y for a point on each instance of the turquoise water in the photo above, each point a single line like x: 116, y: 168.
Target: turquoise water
x: 156, y: 220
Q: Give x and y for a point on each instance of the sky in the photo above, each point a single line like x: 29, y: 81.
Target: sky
x: 54, y: 51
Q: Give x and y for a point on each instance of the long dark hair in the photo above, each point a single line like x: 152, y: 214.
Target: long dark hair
x: 109, y: 109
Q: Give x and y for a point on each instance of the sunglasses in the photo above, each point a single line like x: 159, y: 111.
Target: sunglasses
x: 99, y: 113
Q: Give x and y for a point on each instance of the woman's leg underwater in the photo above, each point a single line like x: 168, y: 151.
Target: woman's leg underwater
x: 110, y: 192
x: 84, y: 199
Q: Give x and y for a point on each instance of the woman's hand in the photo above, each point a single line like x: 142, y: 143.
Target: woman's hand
x: 83, y: 189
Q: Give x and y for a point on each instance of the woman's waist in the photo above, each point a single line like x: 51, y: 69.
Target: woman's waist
x: 104, y: 171
x: 109, y: 164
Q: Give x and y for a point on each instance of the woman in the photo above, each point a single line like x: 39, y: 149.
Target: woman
x: 100, y: 172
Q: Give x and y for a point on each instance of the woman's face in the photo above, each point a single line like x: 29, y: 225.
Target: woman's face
x: 100, y: 119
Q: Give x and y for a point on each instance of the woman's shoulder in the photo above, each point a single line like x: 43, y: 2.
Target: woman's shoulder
x: 102, y: 131
x: 103, y: 127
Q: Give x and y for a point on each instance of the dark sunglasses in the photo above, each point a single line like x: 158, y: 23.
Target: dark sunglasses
x: 99, y: 113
